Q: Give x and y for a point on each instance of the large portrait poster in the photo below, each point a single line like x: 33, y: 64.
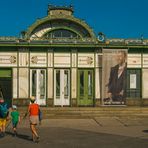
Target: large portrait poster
x: 114, y: 76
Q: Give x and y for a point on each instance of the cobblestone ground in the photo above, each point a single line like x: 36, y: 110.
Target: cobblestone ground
x: 82, y: 133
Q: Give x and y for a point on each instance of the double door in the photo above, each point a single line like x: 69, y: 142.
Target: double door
x: 62, y: 84
x: 61, y: 87
x: 38, y: 85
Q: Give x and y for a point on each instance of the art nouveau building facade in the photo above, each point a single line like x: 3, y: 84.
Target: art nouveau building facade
x: 59, y: 60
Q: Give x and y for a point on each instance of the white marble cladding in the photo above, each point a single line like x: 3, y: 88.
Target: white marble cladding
x: 15, y: 82
x: 98, y: 59
x: 74, y: 83
x: 23, y: 82
x: 145, y: 60
x: 85, y: 60
x: 38, y: 59
x: 50, y: 83
x: 97, y: 83
x: 134, y: 60
x: 144, y: 83
x: 62, y: 59
x: 74, y: 60
x: 50, y: 59
x: 8, y: 59
x: 23, y: 59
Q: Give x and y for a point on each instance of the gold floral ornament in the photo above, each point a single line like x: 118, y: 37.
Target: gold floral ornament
x: 12, y: 59
x: 34, y: 59
x: 89, y: 60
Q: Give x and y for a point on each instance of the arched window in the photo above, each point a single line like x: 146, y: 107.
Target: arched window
x: 61, y: 33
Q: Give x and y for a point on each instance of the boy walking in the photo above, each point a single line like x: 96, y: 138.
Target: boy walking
x: 15, y: 116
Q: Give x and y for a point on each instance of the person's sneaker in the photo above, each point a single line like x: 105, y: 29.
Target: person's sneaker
x: 37, y: 139
x: 15, y: 133
x: 33, y: 139
x: 3, y: 134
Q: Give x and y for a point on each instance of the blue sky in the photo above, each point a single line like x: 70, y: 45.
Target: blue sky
x: 115, y: 18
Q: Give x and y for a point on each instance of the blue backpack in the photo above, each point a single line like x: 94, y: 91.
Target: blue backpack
x: 40, y: 115
x: 3, y: 111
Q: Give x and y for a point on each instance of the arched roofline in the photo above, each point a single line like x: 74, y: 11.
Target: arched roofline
x: 62, y: 17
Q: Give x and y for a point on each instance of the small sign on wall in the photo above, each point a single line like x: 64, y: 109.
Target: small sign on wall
x: 133, y: 81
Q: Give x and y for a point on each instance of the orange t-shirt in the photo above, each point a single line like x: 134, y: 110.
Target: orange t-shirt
x: 34, y: 109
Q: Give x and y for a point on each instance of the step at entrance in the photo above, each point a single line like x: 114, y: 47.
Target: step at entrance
x: 81, y: 112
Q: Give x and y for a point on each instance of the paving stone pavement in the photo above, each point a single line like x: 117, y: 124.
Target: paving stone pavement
x: 99, y: 132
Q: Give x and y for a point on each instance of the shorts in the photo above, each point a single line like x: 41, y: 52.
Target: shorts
x: 14, y: 124
x: 2, y: 122
x: 34, y: 120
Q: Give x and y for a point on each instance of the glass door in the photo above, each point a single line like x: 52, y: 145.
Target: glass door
x: 61, y: 87
x: 38, y: 85
x: 85, y: 87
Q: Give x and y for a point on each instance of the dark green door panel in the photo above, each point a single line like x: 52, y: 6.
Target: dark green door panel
x: 134, y: 92
x: 85, y: 87
x: 6, y: 85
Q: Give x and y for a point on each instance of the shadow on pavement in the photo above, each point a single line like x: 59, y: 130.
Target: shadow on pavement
x: 145, y: 131
x: 21, y: 136
x: 65, y: 137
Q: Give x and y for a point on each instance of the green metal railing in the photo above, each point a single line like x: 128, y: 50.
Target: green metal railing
x: 124, y: 42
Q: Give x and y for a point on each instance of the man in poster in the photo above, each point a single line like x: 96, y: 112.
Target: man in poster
x: 117, y: 79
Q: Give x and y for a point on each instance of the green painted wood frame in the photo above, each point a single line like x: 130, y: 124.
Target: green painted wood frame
x: 85, y: 92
